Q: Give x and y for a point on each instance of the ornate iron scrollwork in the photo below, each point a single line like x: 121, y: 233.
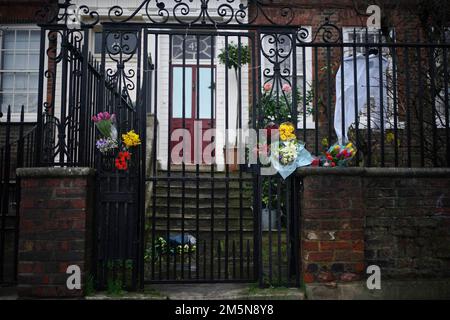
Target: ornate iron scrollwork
x: 223, y: 13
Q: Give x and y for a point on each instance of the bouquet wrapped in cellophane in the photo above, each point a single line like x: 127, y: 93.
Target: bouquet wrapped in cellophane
x: 288, y: 153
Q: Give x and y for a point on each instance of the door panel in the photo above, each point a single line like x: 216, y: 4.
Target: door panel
x: 197, y: 104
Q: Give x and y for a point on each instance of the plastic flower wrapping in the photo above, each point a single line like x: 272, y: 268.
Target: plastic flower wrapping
x: 289, y: 153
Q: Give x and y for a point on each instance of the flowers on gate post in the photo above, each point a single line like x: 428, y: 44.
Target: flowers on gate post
x: 130, y: 139
x: 288, y: 153
x: 108, y: 142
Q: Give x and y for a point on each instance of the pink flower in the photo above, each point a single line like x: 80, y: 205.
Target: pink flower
x: 286, y: 88
x: 267, y: 86
x: 106, y: 115
x: 94, y: 118
x: 100, y: 116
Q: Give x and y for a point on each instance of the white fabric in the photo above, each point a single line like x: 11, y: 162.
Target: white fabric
x: 349, y: 92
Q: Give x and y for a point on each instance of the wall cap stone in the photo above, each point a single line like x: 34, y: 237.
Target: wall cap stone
x: 376, y: 172
x: 46, y: 172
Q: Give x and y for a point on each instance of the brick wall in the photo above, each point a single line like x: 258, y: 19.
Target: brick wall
x: 407, y: 229
x: 55, y: 229
x: 398, y: 219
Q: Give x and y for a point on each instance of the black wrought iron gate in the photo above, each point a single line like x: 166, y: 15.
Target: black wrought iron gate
x: 192, y: 203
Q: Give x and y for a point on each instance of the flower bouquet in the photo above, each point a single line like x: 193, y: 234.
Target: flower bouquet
x: 106, y: 125
x: 288, y: 153
x: 337, y: 155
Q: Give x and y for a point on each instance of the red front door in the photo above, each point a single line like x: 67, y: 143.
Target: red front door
x: 194, y: 109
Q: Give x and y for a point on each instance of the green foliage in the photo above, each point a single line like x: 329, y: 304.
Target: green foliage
x: 89, y: 288
x: 162, y: 248
x: 114, y: 287
x: 277, y: 108
x: 233, y: 55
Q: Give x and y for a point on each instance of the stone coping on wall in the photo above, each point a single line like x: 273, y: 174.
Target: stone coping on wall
x: 55, y: 172
x: 376, y: 172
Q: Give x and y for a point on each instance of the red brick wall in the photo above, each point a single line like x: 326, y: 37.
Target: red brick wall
x: 55, y: 232
x: 332, y: 228
x: 397, y: 219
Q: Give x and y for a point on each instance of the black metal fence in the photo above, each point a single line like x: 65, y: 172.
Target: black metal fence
x: 17, y: 149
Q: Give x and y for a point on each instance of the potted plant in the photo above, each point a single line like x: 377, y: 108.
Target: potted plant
x: 234, y: 56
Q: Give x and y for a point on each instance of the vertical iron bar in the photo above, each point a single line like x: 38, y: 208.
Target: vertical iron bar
x: 227, y: 169
x: 380, y: 68
x: 432, y: 63
x: 446, y: 104
x: 154, y: 153
x: 168, y: 158
x: 421, y: 107
x: 355, y: 80
x: 394, y: 88
x: 343, y: 124
x: 316, y: 101
x: 5, y: 191
x: 197, y: 165
x: 212, y: 163
x: 408, y: 106
x: 369, y: 132
x: 239, y: 92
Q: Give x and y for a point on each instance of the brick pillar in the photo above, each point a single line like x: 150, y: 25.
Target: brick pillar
x: 56, y: 210
x: 332, y: 228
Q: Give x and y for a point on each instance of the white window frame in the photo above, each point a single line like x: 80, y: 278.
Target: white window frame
x: 15, y: 116
x: 300, y: 74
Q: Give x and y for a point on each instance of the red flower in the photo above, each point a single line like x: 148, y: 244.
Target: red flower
x: 316, y: 162
x: 333, y: 164
x: 121, y: 160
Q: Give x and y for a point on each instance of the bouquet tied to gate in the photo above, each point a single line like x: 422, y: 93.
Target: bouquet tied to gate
x: 288, y: 153
x: 106, y: 125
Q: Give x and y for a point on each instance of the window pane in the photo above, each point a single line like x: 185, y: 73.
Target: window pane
x: 33, y: 82
x: 205, y: 93
x: 21, y: 81
x: 8, y: 62
x: 32, y: 103
x: 7, y: 99
x: 19, y: 100
x: 177, y: 111
x: 21, y: 61
x: 7, y: 81
x: 33, y: 61
x: 34, y: 40
x: 8, y: 40
x: 22, y: 39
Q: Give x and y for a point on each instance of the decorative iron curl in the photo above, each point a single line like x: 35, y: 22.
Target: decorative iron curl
x: 181, y: 13
x: 330, y: 32
x: 55, y: 13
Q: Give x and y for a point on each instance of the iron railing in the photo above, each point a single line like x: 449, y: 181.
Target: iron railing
x: 17, y: 149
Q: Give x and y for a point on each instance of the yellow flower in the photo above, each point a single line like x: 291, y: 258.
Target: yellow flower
x: 131, y: 139
x: 349, y: 145
x: 287, y: 131
x: 390, y: 137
